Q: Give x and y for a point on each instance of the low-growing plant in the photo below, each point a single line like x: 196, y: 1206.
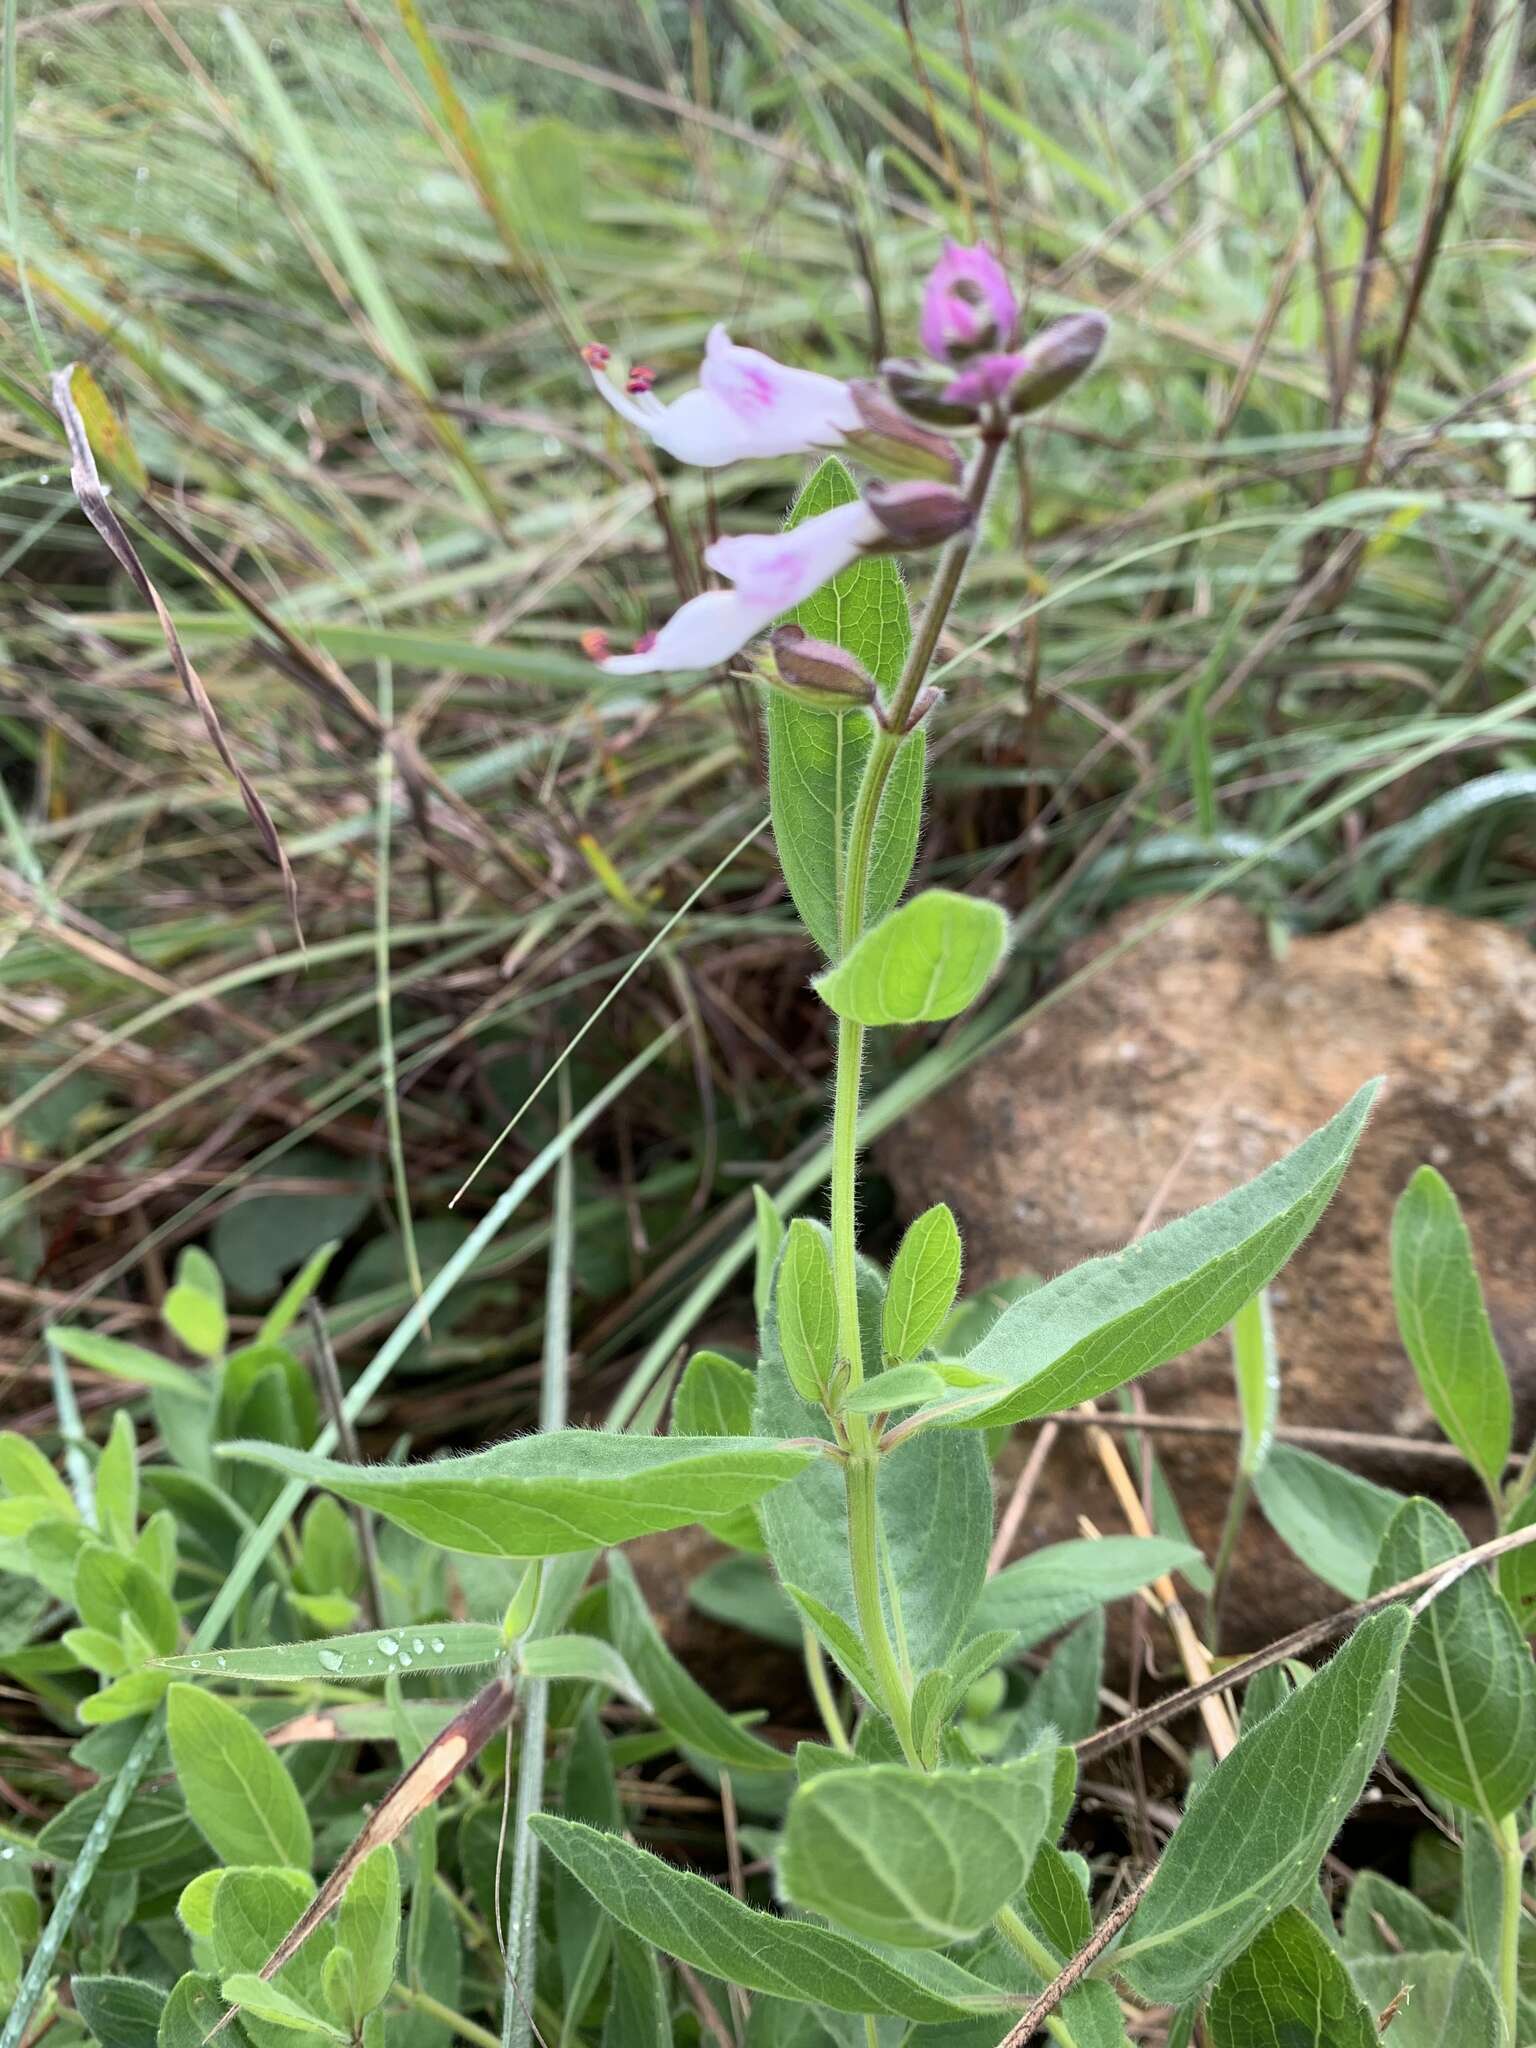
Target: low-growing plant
x: 907, y: 1877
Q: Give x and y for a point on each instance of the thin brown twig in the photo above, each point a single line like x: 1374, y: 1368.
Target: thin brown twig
x: 1059, y: 1987
x: 1308, y: 1637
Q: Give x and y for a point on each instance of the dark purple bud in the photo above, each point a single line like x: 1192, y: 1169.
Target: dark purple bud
x: 1056, y: 357
x: 894, y: 444
x: 918, y: 515
x: 818, y: 672
x: 921, y: 391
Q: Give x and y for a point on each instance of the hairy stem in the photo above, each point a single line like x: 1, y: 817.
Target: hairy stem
x: 864, y: 1545
x: 1512, y: 1856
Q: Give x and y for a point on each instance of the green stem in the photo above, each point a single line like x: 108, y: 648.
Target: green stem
x: 424, y: 2002
x: 821, y: 1692
x: 1512, y: 1857
x: 1034, y: 1951
x: 864, y: 1545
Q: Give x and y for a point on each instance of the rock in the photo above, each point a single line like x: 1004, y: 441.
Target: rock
x: 1184, y: 1068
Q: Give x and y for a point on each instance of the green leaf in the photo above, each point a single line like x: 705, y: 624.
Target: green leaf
x: 1288, y: 1990
x: 743, y: 1593
x: 121, y: 2012
x: 1045, y: 1591
x: 1450, y: 2002
x: 285, y: 1311
x: 192, y: 2011
x: 639, y: 2015
x: 368, y: 1926
x: 1111, y: 1319
x: 925, y: 962
x: 1445, y: 1327
x: 1256, y: 1368
x: 1065, y: 1697
x: 713, y: 1398
x: 918, y: 1860
x: 681, y: 1705
x: 370, y: 1654
x: 1332, y: 1518
x: 236, y: 1789
x: 117, y: 1484
x: 1517, y: 1571
x: 767, y: 1235
x: 330, y: 1556
x: 839, y: 1638
x: 935, y: 1496
x: 1257, y: 1827
x: 259, y: 1240
x: 807, y: 1311
x: 1056, y: 1898
x: 26, y: 1474
x: 925, y: 1278
x: 1381, y: 1918
x: 901, y: 1386
x: 701, y: 1924
x: 547, y: 1495
x: 110, y: 1587
x: 155, y: 1830
x: 122, y: 1361
x: 263, y: 2001
x: 1466, y: 1701
x: 252, y: 1910
x: 584, y: 1658
x: 193, y: 1311
x: 816, y: 759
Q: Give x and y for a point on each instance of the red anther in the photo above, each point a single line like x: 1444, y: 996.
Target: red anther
x: 596, y: 354
x: 645, y: 643
x: 594, y: 644
x: 640, y: 380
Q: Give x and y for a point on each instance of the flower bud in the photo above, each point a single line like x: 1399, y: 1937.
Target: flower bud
x: 918, y: 515
x: 924, y: 393
x: 894, y: 444
x: 518, y: 1618
x: 818, y: 672
x: 1056, y: 357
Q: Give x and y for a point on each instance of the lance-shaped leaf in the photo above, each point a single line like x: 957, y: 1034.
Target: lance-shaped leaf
x: 1466, y: 1702
x: 1256, y: 1829
x: 550, y: 1494
x: 372, y: 1653
x: 586, y: 1659
x: 699, y: 1923
x: 1445, y: 1325
x: 816, y: 758
x: 1107, y: 1321
x: 1332, y: 1518
x: 807, y: 1311
x: 912, y: 1858
x: 1045, y: 1591
x: 1289, y: 1989
x: 925, y: 962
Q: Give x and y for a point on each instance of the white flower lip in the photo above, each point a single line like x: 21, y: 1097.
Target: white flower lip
x: 745, y: 407
x: 772, y: 572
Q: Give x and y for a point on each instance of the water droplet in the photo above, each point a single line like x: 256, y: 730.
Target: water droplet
x: 405, y: 1660
x: 6, y: 1854
x: 222, y: 1663
x: 331, y: 1659
x: 197, y: 1663
x: 43, y: 476
x: 417, y: 1645
x: 438, y: 1646
x: 389, y: 1646
x: 142, y: 173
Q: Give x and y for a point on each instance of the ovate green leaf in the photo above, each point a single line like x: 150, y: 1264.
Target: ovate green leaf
x: 1256, y: 1829
x: 236, y: 1788
x: 713, y: 1398
x: 1288, y: 1989
x: 925, y: 1277
x: 546, y: 1495
x: 1450, y: 2000
x: 1045, y: 1591
x: 122, y: 2012
x: 368, y: 1926
x: 912, y: 1858
x: 1466, y: 1701
x: 1445, y: 1325
x: 700, y: 1923
x: 807, y: 1311
x: 1105, y: 1322
x: 925, y: 962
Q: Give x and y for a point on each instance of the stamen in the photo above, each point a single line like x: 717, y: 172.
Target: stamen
x: 640, y: 380
x: 594, y: 644
x: 596, y: 355
x: 645, y: 643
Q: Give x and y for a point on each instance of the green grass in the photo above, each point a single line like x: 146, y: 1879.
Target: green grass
x: 333, y: 283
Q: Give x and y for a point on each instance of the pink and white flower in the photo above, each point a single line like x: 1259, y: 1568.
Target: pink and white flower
x: 772, y: 573
x: 745, y: 406
x: 968, y: 304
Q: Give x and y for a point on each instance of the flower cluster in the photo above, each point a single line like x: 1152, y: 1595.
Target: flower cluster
x: 747, y: 405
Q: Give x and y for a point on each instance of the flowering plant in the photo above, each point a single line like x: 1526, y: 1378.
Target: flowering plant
x: 926, y: 1893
